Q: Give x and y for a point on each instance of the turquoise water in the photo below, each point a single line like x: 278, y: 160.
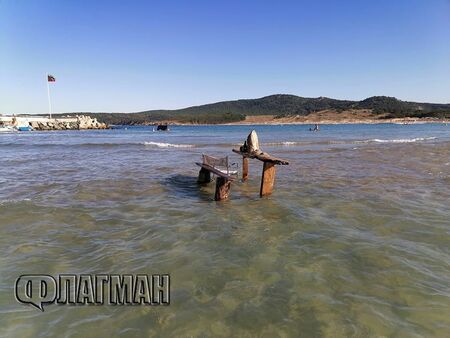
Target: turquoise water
x: 354, y: 242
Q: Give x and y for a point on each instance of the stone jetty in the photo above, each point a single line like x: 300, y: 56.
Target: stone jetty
x: 78, y: 122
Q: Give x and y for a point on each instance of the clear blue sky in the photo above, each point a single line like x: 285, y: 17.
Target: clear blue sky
x: 137, y: 55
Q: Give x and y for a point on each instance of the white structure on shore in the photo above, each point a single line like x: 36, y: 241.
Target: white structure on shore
x: 45, y: 123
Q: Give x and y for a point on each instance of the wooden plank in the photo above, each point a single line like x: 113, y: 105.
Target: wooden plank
x: 204, y: 176
x: 244, y: 169
x: 215, y: 171
x: 222, y: 189
x: 264, y: 157
x: 267, y: 179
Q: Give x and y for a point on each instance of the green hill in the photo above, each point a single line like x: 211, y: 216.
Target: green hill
x: 280, y: 106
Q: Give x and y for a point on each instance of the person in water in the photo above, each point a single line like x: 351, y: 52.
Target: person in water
x: 316, y: 128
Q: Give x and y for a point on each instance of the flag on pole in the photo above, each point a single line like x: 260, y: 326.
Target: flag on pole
x: 50, y: 78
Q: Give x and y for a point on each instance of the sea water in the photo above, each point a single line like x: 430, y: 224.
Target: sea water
x: 354, y: 241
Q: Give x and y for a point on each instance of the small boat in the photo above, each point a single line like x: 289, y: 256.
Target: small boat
x: 162, y: 127
x: 24, y: 128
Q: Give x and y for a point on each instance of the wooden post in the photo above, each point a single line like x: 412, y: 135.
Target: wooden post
x: 244, y: 168
x: 204, y: 176
x: 267, y: 179
x: 222, y: 188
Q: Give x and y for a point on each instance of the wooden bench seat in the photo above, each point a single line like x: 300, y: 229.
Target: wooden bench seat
x: 217, y: 171
x: 220, y: 168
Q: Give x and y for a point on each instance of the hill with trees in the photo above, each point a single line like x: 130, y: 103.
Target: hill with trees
x: 279, y: 105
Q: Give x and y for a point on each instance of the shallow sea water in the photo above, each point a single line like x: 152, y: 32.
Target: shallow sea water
x: 354, y: 242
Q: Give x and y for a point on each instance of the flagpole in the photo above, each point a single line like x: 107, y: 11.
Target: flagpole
x: 49, y: 101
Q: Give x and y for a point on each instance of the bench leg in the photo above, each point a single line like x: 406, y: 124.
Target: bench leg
x: 204, y: 176
x: 222, y: 189
x: 244, y: 169
x: 267, y: 179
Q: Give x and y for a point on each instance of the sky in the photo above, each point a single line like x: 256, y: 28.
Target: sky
x: 128, y: 56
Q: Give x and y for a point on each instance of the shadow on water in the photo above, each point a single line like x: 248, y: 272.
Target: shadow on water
x: 183, y: 186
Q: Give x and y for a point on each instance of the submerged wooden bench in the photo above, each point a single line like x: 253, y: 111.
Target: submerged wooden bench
x: 220, y: 168
x: 250, y: 150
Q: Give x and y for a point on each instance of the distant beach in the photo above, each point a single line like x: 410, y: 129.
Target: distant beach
x: 313, y: 119
x: 334, y: 118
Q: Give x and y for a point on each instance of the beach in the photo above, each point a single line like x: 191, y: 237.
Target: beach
x: 353, y: 241
x: 324, y: 117
x: 337, y: 118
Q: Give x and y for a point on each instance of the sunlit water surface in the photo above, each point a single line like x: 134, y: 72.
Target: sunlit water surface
x: 354, y: 242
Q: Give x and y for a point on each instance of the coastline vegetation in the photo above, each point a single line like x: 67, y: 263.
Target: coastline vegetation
x: 279, y: 106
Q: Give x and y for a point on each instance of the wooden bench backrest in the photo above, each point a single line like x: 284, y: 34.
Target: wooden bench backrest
x: 216, y: 162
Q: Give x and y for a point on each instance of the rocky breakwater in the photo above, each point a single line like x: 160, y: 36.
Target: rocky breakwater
x: 69, y: 123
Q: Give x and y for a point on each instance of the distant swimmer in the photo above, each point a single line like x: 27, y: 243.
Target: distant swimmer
x: 316, y: 128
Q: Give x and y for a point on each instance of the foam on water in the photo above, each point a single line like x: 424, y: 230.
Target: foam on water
x: 349, y: 141
x: 284, y: 143
x: 404, y: 140
x: 168, y: 145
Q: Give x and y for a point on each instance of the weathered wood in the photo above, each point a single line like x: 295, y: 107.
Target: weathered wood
x: 222, y: 189
x: 244, y: 168
x: 204, y: 176
x: 264, y: 157
x: 214, y: 161
x: 267, y: 179
x: 252, y: 142
x: 215, y: 171
x: 223, y: 181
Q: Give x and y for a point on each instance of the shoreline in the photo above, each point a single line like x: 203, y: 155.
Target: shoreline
x: 290, y: 121
x: 326, y: 117
x: 326, y: 122
x: 320, y: 117
x: 86, y: 122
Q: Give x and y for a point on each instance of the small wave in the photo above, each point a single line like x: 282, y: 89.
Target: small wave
x: 168, y: 145
x: 337, y: 142
x: 401, y: 140
x: 13, y: 201
x: 285, y: 143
